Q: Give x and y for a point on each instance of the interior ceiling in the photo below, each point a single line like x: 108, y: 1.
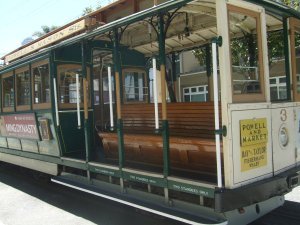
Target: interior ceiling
x: 198, y: 18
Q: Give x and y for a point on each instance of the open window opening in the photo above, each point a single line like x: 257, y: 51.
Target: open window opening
x: 247, y: 70
x: 188, y: 83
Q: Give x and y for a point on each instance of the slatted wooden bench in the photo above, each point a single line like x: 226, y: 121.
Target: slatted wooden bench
x: 192, y: 136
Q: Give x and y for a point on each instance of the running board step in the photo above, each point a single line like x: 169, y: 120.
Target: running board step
x: 112, y: 192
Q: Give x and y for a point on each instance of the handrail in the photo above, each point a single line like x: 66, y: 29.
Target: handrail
x: 110, y: 99
x: 78, y: 101
x: 216, y: 109
x: 155, y: 94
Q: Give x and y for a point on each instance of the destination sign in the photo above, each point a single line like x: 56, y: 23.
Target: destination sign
x: 80, y: 25
x: 254, y: 138
x: 19, y: 126
x: 253, y: 131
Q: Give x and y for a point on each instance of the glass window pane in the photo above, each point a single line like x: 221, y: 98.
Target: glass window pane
x: 23, y: 88
x: 282, y: 80
x: 8, y: 92
x: 187, y: 98
x: 244, y: 51
x: 193, y: 90
x: 201, y: 89
x: 41, y: 78
x: 282, y: 93
x: 198, y: 98
x: 68, y: 86
x: 135, y: 87
x: 186, y: 90
x: 274, y: 94
x: 272, y: 81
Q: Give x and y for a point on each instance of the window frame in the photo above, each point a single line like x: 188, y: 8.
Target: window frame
x: 250, y: 97
x: 18, y: 71
x: 88, y: 76
x: 4, y: 76
x: 204, y: 92
x: 45, y: 105
x: 293, y: 22
x: 134, y: 70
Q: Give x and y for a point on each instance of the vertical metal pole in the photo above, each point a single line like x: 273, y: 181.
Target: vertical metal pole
x: 216, y: 107
x: 165, y: 125
x: 118, y: 75
x: 85, y: 103
x: 55, y: 101
x: 287, y: 58
x: 31, y: 87
x: 78, y: 101
x: 111, y: 112
x: 155, y: 93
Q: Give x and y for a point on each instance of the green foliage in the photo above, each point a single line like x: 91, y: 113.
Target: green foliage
x: 292, y: 3
x: 45, y: 29
x: 87, y: 11
x: 244, y: 49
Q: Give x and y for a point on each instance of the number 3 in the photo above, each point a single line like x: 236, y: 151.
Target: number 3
x: 283, y: 115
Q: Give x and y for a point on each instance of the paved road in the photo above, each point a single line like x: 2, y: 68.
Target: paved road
x: 25, y: 199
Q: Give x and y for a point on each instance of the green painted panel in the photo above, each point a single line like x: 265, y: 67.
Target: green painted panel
x: 132, y: 58
x: 105, y: 45
x: 71, y: 53
x: 29, y: 145
x: 72, y: 136
x: 160, y: 182
x: 14, y: 143
x: 191, y: 189
x: 104, y: 171
x: 3, y: 142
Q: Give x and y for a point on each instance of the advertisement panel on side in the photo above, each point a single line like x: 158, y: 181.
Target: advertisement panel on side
x: 19, y: 126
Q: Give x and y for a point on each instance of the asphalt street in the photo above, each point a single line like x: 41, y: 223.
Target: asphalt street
x: 26, y: 198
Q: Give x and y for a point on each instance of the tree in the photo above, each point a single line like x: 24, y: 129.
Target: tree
x: 87, y: 10
x: 291, y: 3
x: 244, y: 49
x: 45, y: 29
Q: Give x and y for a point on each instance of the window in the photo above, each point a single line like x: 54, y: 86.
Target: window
x: 68, y: 86
x: 135, y: 89
x: 41, y: 84
x: 246, y: 55
x: 295, y: 56
x: 278, y: 88
x: 8, y: 94
x: 23, y: 89
x: 196, y: 94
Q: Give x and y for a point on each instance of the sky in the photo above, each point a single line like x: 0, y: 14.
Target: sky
x: 20, y: 19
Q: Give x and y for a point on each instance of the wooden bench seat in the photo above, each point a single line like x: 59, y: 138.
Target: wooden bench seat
x: 192, y: 139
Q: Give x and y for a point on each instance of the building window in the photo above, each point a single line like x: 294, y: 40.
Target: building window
x: 8, y: 92
x: 135, y: 89
x: 41, y: 82
x: 278, y: 88
x: 196, y: 94
x: 23, y: 88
